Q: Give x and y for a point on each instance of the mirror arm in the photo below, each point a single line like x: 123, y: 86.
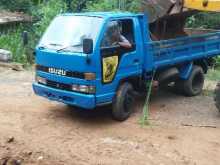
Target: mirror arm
x: 88, y: 60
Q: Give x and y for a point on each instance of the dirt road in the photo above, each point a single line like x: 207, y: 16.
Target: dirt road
x: 33, y: 130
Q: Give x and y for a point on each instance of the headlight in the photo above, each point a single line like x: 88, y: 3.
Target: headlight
x: 84, y: 89
x: 41, y: 80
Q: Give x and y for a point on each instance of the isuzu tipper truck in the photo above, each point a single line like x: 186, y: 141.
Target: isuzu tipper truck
x: 75, y: 67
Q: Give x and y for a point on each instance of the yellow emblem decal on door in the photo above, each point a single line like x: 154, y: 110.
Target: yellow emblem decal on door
x: 109, y: 67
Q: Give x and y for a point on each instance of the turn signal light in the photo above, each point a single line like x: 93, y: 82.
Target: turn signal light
x: 89, y: 76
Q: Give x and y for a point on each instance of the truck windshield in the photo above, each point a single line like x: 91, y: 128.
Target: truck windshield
x: 66, y: 33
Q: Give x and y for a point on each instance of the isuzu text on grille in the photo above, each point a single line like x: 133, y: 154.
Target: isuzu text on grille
x: 57, y: 71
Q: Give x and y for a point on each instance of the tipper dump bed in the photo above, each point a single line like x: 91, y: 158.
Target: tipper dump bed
x: 185, y: 49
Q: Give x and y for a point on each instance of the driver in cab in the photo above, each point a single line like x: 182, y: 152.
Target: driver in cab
x: 113, y: 37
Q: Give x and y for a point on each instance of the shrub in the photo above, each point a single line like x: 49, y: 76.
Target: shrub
x: 16, y: 5
x: 114, y: 5
x: 43, y: 13
x: 204, y: 20
x: 13, y: 42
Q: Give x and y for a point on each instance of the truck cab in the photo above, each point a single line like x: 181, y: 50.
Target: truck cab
x: 74, y: 66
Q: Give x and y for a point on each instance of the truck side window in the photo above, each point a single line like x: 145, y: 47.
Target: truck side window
x: 119, y: 33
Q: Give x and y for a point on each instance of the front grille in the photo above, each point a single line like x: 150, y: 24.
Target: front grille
x: 57, y: 85
x: 68, y: 73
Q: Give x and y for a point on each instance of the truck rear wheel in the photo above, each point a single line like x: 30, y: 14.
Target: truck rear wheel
x: 217, y: 96
x: 122, y: 105
x: 194, y: 84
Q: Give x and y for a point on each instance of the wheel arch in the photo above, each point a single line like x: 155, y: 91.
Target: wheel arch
x: 203, y: 63
x: 134, y: 80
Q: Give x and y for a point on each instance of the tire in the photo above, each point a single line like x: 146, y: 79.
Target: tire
x: 193, y: 86
x: 217, y: 96
x: 178, y: 87
x: 122, y: 104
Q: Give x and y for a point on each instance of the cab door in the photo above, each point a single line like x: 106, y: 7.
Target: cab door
x: 118, y: 61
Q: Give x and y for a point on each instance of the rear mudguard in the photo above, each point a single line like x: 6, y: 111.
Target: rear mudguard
x: 185, y: 70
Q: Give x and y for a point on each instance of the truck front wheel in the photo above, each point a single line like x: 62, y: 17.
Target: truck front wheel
x: 217, y: 96
x: 194, y: 84
x: 122, y: 104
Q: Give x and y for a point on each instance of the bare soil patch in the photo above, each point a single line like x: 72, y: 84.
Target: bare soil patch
x: 183, y: 130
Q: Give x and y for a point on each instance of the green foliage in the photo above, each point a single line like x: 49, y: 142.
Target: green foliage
x: 134, y: 6
x: 12, y: 42
x: 16, y: 5
x: 217, y: 62
x: 114, y: 5
x: 44, y: 13
x: 204, y: 20
x: 104, y: 5
x: 144, y: 120
x: 213, y: 75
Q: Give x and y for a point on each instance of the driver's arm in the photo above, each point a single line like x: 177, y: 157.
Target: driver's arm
x: 124, y: 42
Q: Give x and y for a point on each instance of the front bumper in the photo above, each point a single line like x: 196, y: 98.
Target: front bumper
x: 71, y: 98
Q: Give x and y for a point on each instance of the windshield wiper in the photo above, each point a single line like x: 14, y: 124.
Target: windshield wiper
x: 54, y: 44
x: 45, y: 46
x: 70, y: 46
x: 42, y: 47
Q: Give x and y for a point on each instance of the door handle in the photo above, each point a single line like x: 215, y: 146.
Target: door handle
x: 136, y: 61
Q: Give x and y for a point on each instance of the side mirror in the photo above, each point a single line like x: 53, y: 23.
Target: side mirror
x: 25, y: 38
x: 87, y: 46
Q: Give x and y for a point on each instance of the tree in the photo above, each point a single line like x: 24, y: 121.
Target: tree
x: 205, y: 20
x: 16, y: 5
x: 110, y: 5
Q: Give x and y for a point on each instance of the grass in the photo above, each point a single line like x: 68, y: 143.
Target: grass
x: 208, y: 92
x: 213, y: 75
x: 13, y: 43
x: 211, y: 78
x: 144, y: 120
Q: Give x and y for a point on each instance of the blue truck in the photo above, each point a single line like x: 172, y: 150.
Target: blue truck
x: 74, y: 67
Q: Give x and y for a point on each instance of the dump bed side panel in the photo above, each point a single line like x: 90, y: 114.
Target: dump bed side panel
x: 171, y: 52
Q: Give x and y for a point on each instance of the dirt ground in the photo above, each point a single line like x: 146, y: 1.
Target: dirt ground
x: 33, y: 130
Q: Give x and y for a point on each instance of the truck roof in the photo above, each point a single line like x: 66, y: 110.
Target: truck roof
x: 104, y: 14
